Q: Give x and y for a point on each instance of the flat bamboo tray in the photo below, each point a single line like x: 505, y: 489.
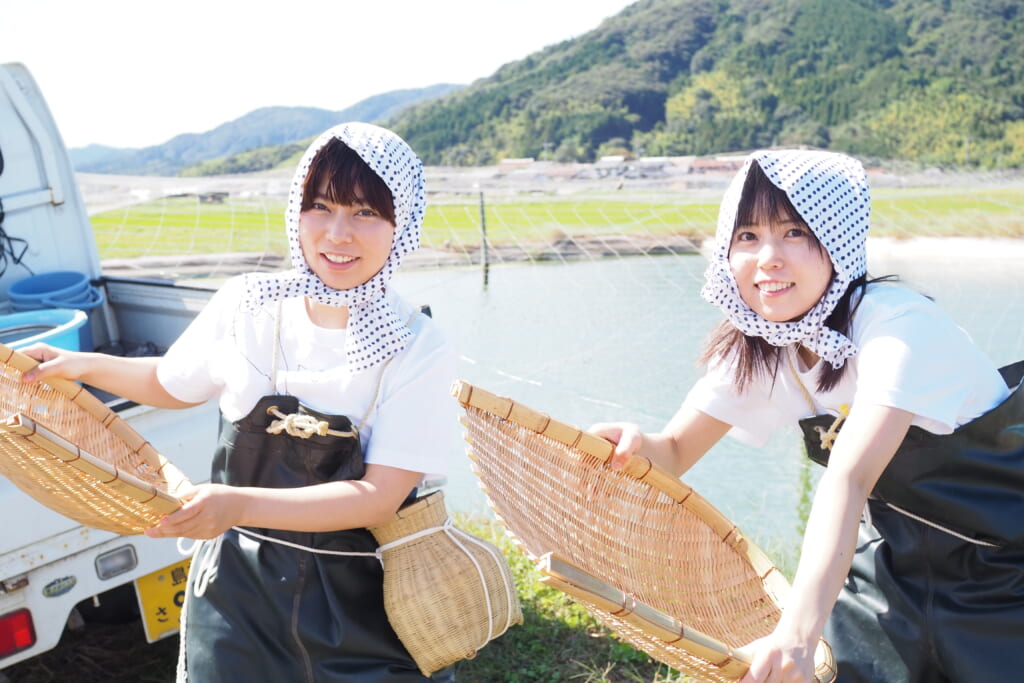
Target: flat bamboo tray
x: 645, y: 553
x: 67, y: 450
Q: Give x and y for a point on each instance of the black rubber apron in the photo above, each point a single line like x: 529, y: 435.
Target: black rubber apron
x: 277, y: 613
x: 936, y: 590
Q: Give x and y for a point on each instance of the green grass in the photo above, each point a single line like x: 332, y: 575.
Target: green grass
x: 558, y: 639
x: 517, y: 221
x: 940, y: 212
x: 182, y: 225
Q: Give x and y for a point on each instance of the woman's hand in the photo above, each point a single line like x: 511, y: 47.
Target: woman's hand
x: 209, y: 511
x: 683, y: 441
x: 780, y: 659
x: 54, y: 362
x: 133, y: 378
x: 626, y: 436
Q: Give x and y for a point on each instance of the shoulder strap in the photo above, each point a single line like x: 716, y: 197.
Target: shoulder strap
x: 276, y: 349
x: 380, y: 375
x: 380, y: 378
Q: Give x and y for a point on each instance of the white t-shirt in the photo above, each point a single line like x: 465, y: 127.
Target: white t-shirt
x: 226, y: 354
x: 911, y: 356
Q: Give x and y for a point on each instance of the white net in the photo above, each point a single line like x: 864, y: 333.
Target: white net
x: 589, y: 307
x: 941, y: 230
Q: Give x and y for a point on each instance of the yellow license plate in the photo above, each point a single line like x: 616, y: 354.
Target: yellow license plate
x: 161, y: 595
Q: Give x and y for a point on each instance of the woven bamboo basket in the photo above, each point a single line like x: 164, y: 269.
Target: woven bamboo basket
x: 642, y: 551
x: 446, y: 592
x: 65, y: 448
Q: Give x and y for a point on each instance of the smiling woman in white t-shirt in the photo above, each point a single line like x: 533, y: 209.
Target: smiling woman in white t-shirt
x: 334, y: 400
x: 912, y: 563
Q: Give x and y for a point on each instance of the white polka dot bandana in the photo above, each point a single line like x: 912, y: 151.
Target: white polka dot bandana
x: 375, y: 332
x: 830, y: 192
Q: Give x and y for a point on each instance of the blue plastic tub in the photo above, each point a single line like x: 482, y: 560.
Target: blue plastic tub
x: 59, y: 285
x: 85, y: 300
x: 60, y: 327
x: 58, y: 289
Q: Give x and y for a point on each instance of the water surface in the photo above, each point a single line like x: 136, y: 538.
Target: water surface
x: 618, y: 339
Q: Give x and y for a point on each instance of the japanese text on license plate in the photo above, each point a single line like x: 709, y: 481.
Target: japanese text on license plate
x: 161, y: 595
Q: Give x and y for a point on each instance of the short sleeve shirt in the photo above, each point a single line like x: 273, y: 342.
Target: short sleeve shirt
x: 911, y: 356
x: 227, y: 354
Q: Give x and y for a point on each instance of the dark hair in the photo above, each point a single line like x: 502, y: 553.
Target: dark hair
x: 755, y: 356
x: 350, y: 180
x: 759, y: 200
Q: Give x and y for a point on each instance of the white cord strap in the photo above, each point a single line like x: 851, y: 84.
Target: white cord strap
x: 298, y: 546
x: 205, y: 556
x: 304, y: 425
x: 936, y: 525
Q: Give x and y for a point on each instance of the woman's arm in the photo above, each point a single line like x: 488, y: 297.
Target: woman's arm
x: 131, y: 378
x: 212, y: 509
x: 684, y: 440
x: 862, y: 450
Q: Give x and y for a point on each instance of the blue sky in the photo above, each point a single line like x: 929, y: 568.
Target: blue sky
x: 131, y: 73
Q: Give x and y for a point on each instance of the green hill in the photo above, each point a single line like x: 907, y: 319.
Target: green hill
x: 933, y: 81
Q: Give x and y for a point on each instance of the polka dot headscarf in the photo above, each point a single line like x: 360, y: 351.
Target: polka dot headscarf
x: 830, y: 192
x: 375, y: 332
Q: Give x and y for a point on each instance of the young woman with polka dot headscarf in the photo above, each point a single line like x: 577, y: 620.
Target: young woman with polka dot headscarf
x: 334, y: 399
x: 912, y: 563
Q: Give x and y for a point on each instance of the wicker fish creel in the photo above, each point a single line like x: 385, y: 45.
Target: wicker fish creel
x: 446, y: 592
x: 67, y: 450
x: 642, y: 551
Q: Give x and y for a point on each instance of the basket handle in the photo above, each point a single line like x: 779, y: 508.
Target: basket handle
x: 732, y: 662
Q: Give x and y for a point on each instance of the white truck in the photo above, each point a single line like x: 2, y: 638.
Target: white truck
x: 52, y: 570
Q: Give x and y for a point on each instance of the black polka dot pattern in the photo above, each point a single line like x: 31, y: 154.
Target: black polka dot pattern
x: 830, y: 192
x: 375, y: 332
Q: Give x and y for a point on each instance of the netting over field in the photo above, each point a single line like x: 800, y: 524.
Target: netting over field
x: 591, y: 311
x: 934, y: 228
x: 531, y: 212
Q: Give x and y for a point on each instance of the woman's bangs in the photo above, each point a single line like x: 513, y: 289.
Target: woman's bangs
x: 352, y: 181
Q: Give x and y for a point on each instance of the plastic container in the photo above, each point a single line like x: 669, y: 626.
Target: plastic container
x: 85, y: 301
x: 29, y: 293
x: 57, y: 289
x: 60, y: 327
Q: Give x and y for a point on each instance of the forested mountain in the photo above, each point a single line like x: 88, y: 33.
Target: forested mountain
x: 266, y: 127
x: 935, y: 81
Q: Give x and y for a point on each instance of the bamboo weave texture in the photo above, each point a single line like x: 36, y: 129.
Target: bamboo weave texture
x: 639, y: 529
x: 67, y: 450
x: 446, y: 594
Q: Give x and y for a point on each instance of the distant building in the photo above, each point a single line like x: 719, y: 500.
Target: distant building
x: 721, y: 164
x: 507, y: 164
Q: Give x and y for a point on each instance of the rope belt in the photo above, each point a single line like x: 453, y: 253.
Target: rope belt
x: 302, y: 425
x: 827, y: 437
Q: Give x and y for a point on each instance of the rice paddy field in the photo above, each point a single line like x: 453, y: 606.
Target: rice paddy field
x: 541, y: 211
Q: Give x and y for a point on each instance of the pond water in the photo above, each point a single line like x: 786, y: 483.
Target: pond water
x: 618, y: 339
